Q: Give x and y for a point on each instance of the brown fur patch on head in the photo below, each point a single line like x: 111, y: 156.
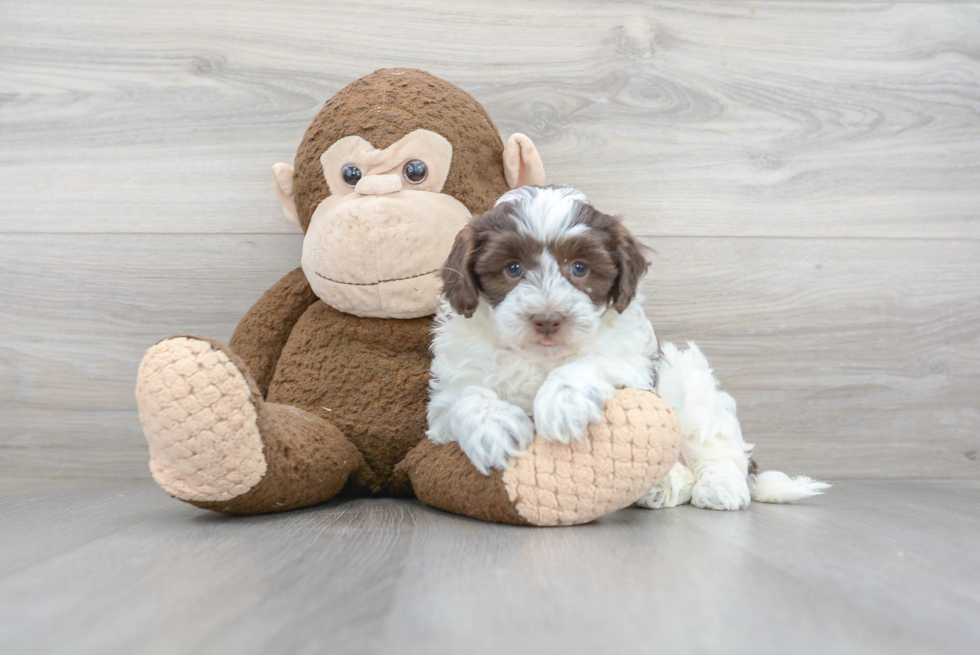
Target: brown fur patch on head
x: 633, y: 266
x: 385, y: 106
x: 499, y: 251
x: 500, y: 244
x: 627, y: 254
x: 479, y: 257
x: 592, y: 249
x: 492, y: 241
x: 615, y: 258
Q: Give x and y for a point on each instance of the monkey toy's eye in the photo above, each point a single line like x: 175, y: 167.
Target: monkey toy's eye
x: 579, y: 269
x: 514, y: 270
x: 416, y: 171
x: 351, y: 175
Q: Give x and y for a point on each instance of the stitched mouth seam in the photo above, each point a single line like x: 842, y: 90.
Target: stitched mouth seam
x: 371, y: 284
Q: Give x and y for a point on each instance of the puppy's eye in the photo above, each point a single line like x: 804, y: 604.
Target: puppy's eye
x: 579, y: 269
x: 514, y: 269
x: 352, y: 174
x: 416, y: 171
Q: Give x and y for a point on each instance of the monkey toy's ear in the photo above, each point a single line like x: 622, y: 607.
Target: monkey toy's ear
x: 522, y: 163
x: 282, y: 175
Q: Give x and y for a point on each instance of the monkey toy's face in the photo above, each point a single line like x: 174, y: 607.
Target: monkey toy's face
x: 375, y: 244
x: 386, y: 176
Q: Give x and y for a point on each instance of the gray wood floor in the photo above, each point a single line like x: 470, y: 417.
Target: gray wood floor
x: 107, y: 567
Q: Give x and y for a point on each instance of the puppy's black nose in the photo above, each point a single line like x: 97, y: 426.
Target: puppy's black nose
x: 546, y: 323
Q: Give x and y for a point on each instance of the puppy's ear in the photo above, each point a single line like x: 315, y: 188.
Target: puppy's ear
x: 632, y: 264
x: 459, y: 283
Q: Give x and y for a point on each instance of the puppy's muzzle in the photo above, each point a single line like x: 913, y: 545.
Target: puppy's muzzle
x: 546, y: 323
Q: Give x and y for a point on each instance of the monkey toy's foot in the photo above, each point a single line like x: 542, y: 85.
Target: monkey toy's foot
x: 216, y: 444
x: 620, y: 459
x: 199, y: 416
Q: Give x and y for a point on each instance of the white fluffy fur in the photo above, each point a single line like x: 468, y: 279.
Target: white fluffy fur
x: 494, y: 385
x: 564, y: 389
x: 777, y: 487
x: 493, y: 363
x: 546, y: 212
x: 713, y: 471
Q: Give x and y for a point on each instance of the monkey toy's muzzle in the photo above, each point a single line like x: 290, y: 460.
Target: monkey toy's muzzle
x: 378, y: 255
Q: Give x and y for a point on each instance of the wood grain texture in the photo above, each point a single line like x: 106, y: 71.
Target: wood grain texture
x: 807, y: 172
x: 873, y: 567
x: 848, y: 358
x: 80, y: 311
x: 728, y: 118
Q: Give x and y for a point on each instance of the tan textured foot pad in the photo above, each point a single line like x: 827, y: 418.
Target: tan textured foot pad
x: 612, y: 467
x: 199, y: 418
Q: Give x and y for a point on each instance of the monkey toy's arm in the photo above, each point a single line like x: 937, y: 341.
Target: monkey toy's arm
x: 263, y: 331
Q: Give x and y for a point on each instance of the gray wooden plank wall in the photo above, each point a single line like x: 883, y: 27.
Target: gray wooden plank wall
x: 808, y: 173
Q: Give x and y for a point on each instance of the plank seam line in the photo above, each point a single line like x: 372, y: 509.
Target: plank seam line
x: 639, y: 234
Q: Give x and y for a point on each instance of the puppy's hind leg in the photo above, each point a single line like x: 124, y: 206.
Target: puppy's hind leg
x: 720, y: 471
x: 712, y: 443
x: 674, y: 490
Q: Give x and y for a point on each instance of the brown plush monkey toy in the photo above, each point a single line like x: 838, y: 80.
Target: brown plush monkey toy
x: 324, y: 386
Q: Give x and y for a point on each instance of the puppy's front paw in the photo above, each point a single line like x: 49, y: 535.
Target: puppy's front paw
x: 563, y: 408
x: 504, y: 432
x: 722, y: 492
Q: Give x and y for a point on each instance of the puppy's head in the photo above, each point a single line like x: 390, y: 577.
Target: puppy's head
x: 548, y: 265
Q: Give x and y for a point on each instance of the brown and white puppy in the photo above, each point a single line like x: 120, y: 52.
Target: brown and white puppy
x: 539, y: 321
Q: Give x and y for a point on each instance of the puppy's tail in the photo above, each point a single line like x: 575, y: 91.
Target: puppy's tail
x: 777, y: 487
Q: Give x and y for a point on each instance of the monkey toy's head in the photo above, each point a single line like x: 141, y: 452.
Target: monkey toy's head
x: 390, y: 170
